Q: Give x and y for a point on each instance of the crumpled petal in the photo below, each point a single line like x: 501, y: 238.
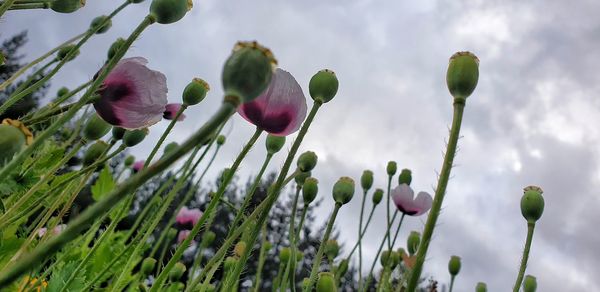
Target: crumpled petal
x: 188, y: 216
x: 280, y: 109
x: 171, y: 111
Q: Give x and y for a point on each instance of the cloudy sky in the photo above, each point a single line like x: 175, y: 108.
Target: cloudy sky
x: 533, y: 118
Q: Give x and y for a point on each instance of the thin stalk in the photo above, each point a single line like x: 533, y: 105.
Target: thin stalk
x: 459, y: 106
x: 363, y: 232
x: 387, y: 209
x: 38, y: 72
x: 54, y: 104
x: 26, y: 6
x: 262, y: 256
x: 530, y: 228
x: 5, y: 5
x: 292, y: 238
x: 360, y: 227
x: 398, y: 229
x: 49, y: 114
x: 451, y: 283
x: 164, y: 135
x: 277, y: 280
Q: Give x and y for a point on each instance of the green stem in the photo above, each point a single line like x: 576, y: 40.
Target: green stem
x: 292, y: 238
x: 26, y: 6
x: 451, y: 283
x: 364, y: 230
x: 459, y: 106
x: 398, y: 229
x: 317, y: 261
x: 387, y: 234
x: 277, y: 280
x: 5, y: 5
x: 38, y: 72
x: 49, y: 114
x: 530, y: 228
x: 389, y: 186
x: 52, y: 106
x: 360, y: 228
x: 262, y: 256
x: 164, y: 135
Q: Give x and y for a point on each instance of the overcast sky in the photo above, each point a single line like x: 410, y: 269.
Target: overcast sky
x: 533, y: 118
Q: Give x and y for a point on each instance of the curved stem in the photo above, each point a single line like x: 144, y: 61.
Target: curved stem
x: 363, y: 232
x: 164, y: 135
x: 451, y: 283
x: 26, y: 6
x: 290, y: 266
x: 459, y: 106
x: 387, y: 209
x: 360, y: 227
x: 261, y: 259
x: 530, y: 228
x: 398, y: 229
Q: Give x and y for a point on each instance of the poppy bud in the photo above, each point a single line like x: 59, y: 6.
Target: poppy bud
x: 136, y: 1
x: 299, y: 255
x: 454, y: 265
x: 310, y: 188
x: 118, y: 132
x: 343, y: 190
x: 366, y: 180
x: 171, y: 233
x: 323, y: 86
x: 529, y: 284
x: 342, y: 268
x: 62, y: 91
x: 532, y: 204
x: 220, y: 140
x: 134, y: 137
x: 94, y: 152
x: 481, y: 287
x: 326, y: 282
x: 177, y: 271
x: 284, y: 254
x: 98, y: 26
x: 305, y: 283
x: 129, y: 160
x: 208, y: 238
x: 412, y: 242
x: 385, y: 257
x: 12, y: 141
x: 148, y: 266
x: 332, y: 249
x: 195, y: 91
x: 95, y: 128
x: 377, y: 196
x: 247, y: 71
x: 66, y: 6
x: 301, y: 178
x: 307, y: 161
x: 463, y: 74
x: 274, y: 143
x: 115, y: 47
x: 169, y: 11
x: 170, y: 148
x: 391, y: 168
x: 239, y: 249
x: 64, y: 52
x: 405, y: 177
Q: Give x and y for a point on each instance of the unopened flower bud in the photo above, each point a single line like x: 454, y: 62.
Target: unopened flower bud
x: 454, y: 265
x: 268, y: 246
x: 94, y: 152
x: 343, y: 190
x: 274, y: 143
x: 171, y: 233
x: 463, y: 74
x: 332, y: 249
x: 148, y: 266
x: 12, y: 141
x: 391, y: 168
x: 481, y: 287
x: 385, y: 257
x: 305, y: 283
x: 532, y: 203
x: 208, y: 238
x: 377, y: 196
x: 169, y: 11
x: 95, y: 128
x: 401, y: 252
x: 326, y: 282
x: 66, y: 6
x: 405, y: 177
x: 170, y: 148
x: 129, y: 160
x: 134, y: 137
x: 323, y: 86
x: 64, y: 52
x: 62, y: 91
x: 247, y: 71
x: 195, y: 91
x: 529, y: 284
x: 299, y: 255
x: 301, y: 178
x: 310, y: 188
x: 118, y: 133
x: 221, y: 140
x: 116, y: 45
x: 395, y: 259
x: 342, y: 268
x: 366, y: 180
x: 239, y: 249
x: 98, y: 26
x: 412, y: 242
x: 177, y: 271
x: 284, y: 254
x: 307, y: 161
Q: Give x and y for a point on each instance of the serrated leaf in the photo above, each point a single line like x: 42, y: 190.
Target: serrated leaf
x: 60, y: 276
x: 103, y: 185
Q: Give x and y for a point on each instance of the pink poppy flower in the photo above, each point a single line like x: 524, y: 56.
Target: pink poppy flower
x: 138, y: 165
x: 405, y: 200
x: 280, y: 109
x: 188, y: 216
x: 132, y: 96
x: 41, y: 232
x: 59, y: 228
x: 171, y: 111
x: 182, y: 235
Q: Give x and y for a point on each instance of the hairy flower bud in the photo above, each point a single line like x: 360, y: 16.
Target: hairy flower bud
x: 208, y: 238
x: 63, y: 53
x: 62, y: 91
x: 98, y: 26
x: 343, y: 190
x: 221, y: 140
x: 94, y: 152
x: 12, y: 141
x: 405, y: 177
x: 169, y: 11
x: 148, y: 266
x: 391, y: 168
x: 129, y: 160
x: 332, y: 249
x: 366, y: 180
x: 95, y: 128
x: 529, y: 284
x: 342, y: 268
x: 462, y: 74
x: 481, y: 287
x: 532, y: 203
x: 239, y: 249
x: 66, y: 6
x: 310, y: 188
x: 377, y: 196
x: 323, y: 86
x: 301, y: 177
x: 177, y: 271
x: 307, y: 161
x: 170, y: 148
x: 274, y: 143
x: 284, y: 254
x: 195, y: 91
x: 326, y: 282
x: 134, y: 137
x: 118, y: 133
x: 116, y: 45
x: 412, y: 242
x: 454, y: 265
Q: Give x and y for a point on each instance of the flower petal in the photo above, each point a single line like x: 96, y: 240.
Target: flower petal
x: 403, y: 197
x: 422, y: 203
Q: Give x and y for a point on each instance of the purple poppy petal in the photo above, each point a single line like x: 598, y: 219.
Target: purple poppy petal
x: 422, y: 203
x: 188, y: 216
x: 138, y: 165
x: 182, y: 235
x: 402, y: 196
x: 171, y: 111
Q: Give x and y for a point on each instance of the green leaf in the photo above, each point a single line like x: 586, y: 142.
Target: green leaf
x: 103, y: 185
x: 60, y: 276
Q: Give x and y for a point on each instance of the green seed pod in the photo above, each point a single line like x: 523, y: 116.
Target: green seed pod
x: 532, y: 204
x: 342, y: 268
x: 170, y: 148
x: 134, y: 137
x: 529, y: 284
x: 95, y: 128
x: 195, y: 91
x: 307, y: 161
x: 310, y: 189
x: 129, y: 160
x: 366, y: 180
x: 239, y: 249
x: 395, y: 260
x: 148, y: 266
x: 462, y: 75
x: 326, y: 282
x: 247, y: 71
x: 230, y: 263
x: 172, y: 233
x: 299, y: 255
x: 305, y: 283
x: 66, y: 6
x: 94, y: 152
x: 284, y: 254
x: 115, y: 47
x: 274, y: 143
x: 169, y: 11
x: 97, y: 24
x: 401, y: 252
x: 221, y: 140
x: 65, y: 51
x: 62, y: 91
x: 177, y: 271
x: 12, y: 141
x: 136, y: 1
x: 385, y: 257
x: 377, y: 196
x: 332, y: 249
x: 391, y: 168
x: 268, y: 246
x: 343, y: 190
x: 323, y: 86
x: 405, y: 177
x: 301, y: 178
x: 208, y: 238
x: 481, y: 287
x: 454, y: 265
x: 118, y: 133
x: 412, y: 242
